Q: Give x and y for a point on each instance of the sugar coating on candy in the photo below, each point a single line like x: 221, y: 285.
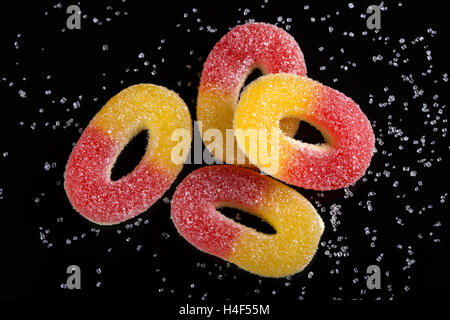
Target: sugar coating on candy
x: 348, y: 134
x: 194, y: 206
x: 298, y: 226
x: 233, y: 58
x: 101, y: 200
x: 351, y: 147
x: 291, y: 249
x: 87, y: 178
x: 249, y: 46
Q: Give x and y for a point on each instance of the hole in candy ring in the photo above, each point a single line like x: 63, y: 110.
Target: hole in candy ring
x: 130, y: 156
x: 307, y: 133
x: 247, y: 219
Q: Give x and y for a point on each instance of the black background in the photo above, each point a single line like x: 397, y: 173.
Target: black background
x: 167, y: 266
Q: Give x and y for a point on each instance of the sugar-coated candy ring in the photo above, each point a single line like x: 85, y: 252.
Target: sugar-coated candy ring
x: 87, y: 178
x: 348, y: 134
x: 243, y: 49
x: 298, y: 226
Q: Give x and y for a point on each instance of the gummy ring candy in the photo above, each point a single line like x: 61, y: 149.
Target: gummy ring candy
x: 297, y: 224
x: 243, y: 49
x: 87, y: 177
x: 348, y: 134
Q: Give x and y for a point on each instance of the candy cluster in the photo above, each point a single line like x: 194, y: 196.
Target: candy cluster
x: 274, y: 103
x: 245, y: 48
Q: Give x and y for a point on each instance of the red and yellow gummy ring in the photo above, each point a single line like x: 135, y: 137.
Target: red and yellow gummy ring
x: 243, y: 49
x: 87, y: 178
x: 297, y: 224
x: 348, y: 134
